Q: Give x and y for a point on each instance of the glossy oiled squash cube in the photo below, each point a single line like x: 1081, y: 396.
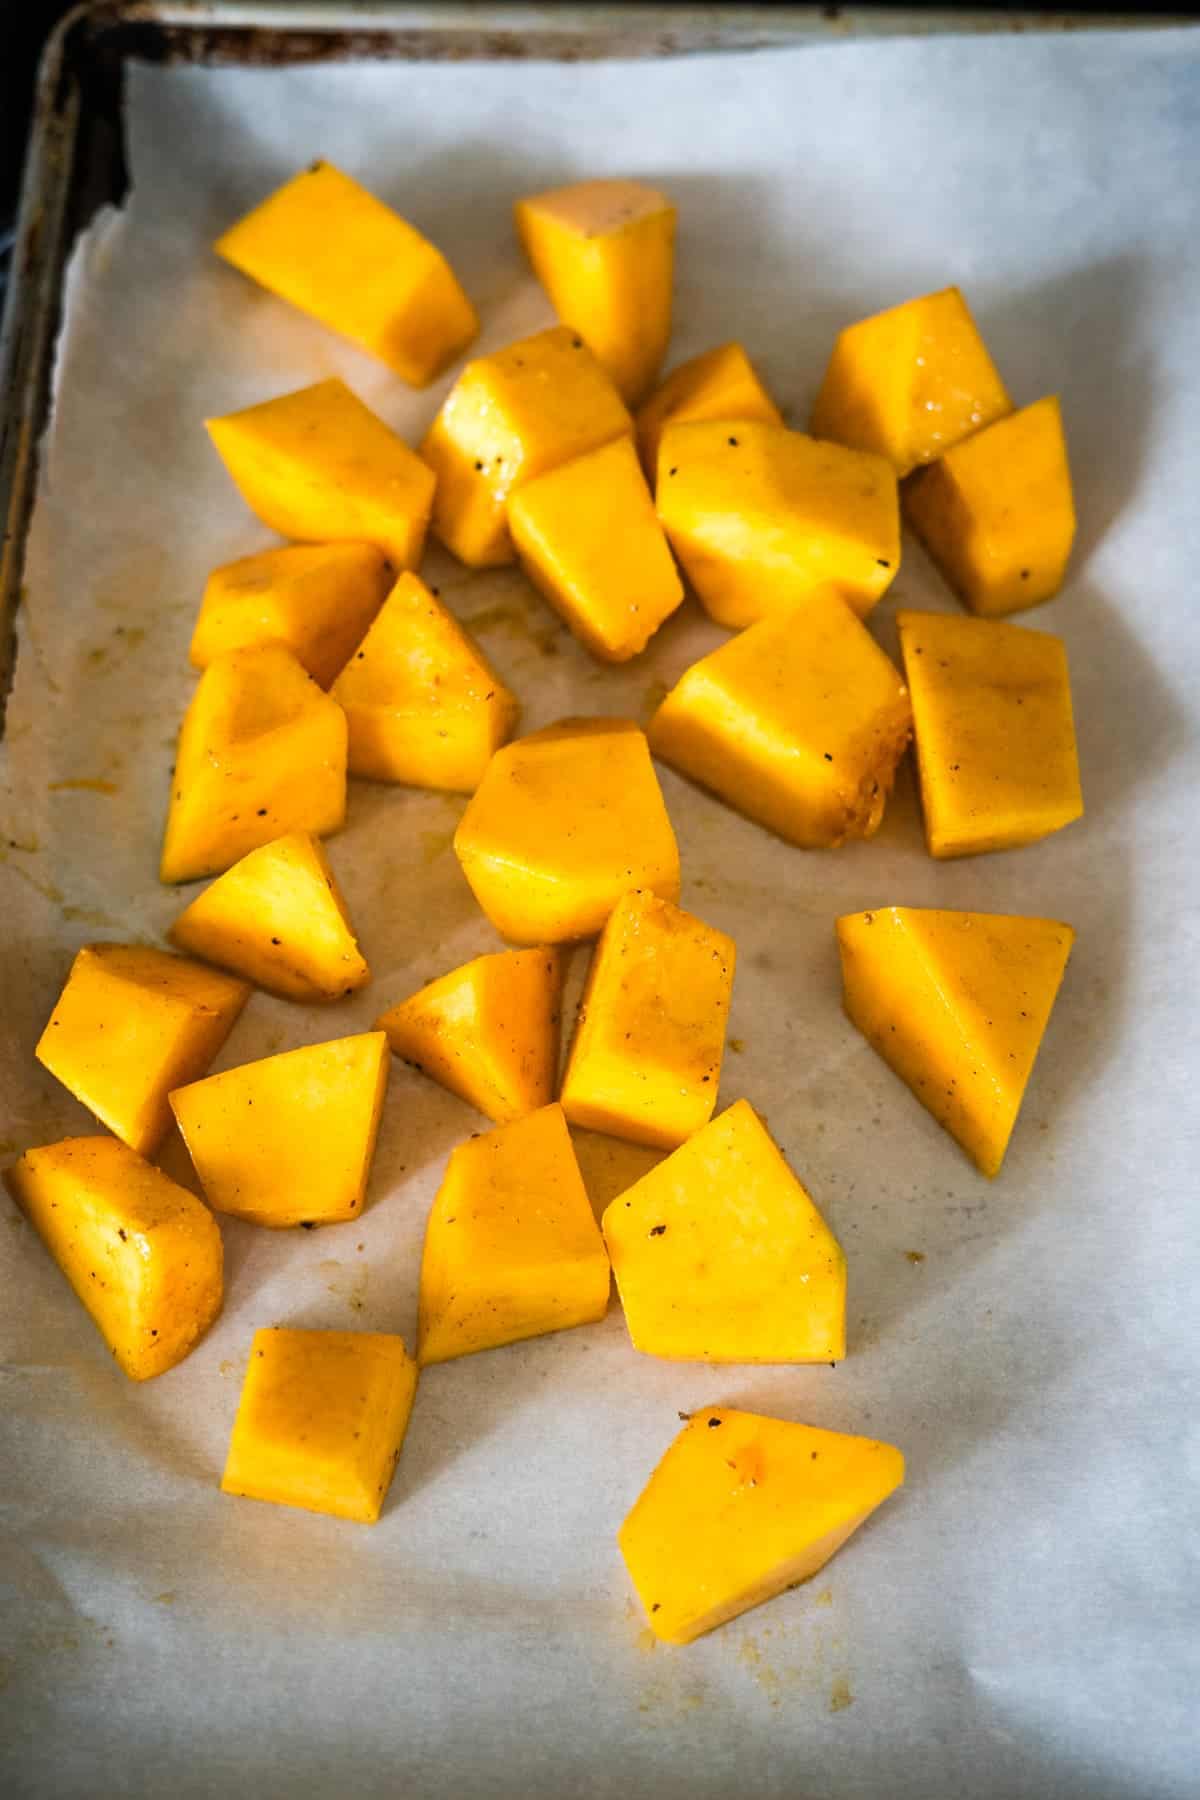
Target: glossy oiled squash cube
x: 488, y: 1031
x: 321, y: 1420
x: 645, y: 1062
x: 132, y: 1023
x: 742, y: 1507
x: 279, y: 918
x: 910, y: 382
x: 510, y: 416
x: 563, y: 823
x: 799, y: 722
x: 721, y: 1256
x: 587, y: 536
x: 957, y: 1004
x: 318, y: 599
x: 423, y: 705
x: 512, y: 1249
x: 720, y: 384
x: 995, y: 732
x: 997, y: 513
x: 760, y: 516
x: 288, y: 1140
x: 262, y: 751
x: 331, y: 248
x: 605, y: 253
x: 320, y: 466
x: 142, y: 1254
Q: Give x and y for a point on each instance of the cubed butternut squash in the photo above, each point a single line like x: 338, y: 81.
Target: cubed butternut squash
x: 719, y: 384
x: 321, y: 1420
x: 721, y: 1255
x: 318, y: 599
x: 132, y: 1023
x: 760, y: 516
x: 143, y: 1254
x: 563, y: 823
x: 288, y: 1140
x: 798, y: 722
x: 325, y: 244
x: 645, y: 1062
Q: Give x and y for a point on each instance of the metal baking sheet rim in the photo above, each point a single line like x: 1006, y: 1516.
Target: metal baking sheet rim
x: 214, y: 31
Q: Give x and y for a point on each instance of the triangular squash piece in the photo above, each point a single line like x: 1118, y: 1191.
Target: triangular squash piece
x: 278, y: 918
x: 318, y: 599
x: 423, y: 704
x: 262, y: 751
x: 742, y: 1507
x: 488, y: 1031
x: 720, y: 1255
x: 289, y: 1140
x: 957, y: 1004
x: 512, y: 1249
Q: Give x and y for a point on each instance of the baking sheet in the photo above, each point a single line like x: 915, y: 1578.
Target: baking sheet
x: 1022, y: 1618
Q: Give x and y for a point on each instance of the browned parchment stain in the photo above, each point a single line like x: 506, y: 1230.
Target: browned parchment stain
x: 91, y: 784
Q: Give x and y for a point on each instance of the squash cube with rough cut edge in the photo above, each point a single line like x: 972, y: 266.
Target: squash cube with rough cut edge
x: 423, y: 705
x: 995, y: 732
x: 512, y: 1248
x: 288, y: 1140
x: 910, y: 383
x: 721, y: 1256
x: 509, y: 417
x: 131, y: 1023
x: 645, y: 1062
x: 742, y: 1507
x: 719, y: 384
x: 957, y: 1004
x: 318, y: 465
x: 318, y: 599
x: 799, y: 722
x: 997, y: 513
x: 488, y: 1031
x: 588, y: 538
x: 278, y: 918
x: 262, y: 752
x: 143, y: 1255
x: 760, y: 516
x: 605, y: 253
x: 325, y: 244
x: 563, y: 823
x: 321, y: 1420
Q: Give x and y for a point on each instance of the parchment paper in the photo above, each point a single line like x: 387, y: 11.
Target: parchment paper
x: 1022, y: 1618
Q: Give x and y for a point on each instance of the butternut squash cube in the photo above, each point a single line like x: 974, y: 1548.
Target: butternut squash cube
x: 957, y: 1004
x: 720, y: 384
x: 423, y: 705
x: 318, y: 465
x: 721, y: 1256
x: 563, y: 823
x: 262, y: 752
x: 143, y: 1254
x: 995, y: 733
x: 332, y: 249
x: 605, y: 253
x: 798, y: 722
x: 288, y: 1140
x: 318, y: 599
x: 279, y: 918
x: 911, y: 382
x: 132, y: 1023
x: 646, y: 1059
x: 760, y: 516
x: 588, y: 538
x: 742, y: 1507
x: 997, y: 513
x: 321, y: 1420
x: 488, y: 1031
x: 510, y: 416
x: 512, y: 1249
